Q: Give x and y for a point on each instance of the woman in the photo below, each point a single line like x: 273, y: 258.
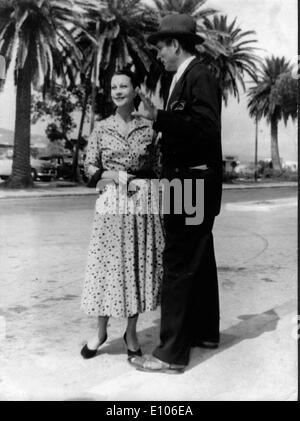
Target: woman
x: 124, y: 267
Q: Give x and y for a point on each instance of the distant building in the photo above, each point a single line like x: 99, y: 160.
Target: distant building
x: 269, y: 161
x: 230, y: 162
x: 290, y: 165
x: 246, y: 169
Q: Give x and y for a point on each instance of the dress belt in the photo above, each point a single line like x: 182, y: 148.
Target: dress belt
x: 143, y: 174
x: 200, y: 167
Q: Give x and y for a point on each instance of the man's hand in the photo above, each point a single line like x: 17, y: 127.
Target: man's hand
x: 122, y: 177
x: 118, y: 177
x: 150, y: 111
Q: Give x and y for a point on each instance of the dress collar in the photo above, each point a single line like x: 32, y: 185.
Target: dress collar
x: 135, y: 123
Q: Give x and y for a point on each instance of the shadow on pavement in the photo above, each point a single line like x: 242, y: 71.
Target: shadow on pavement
x: 251, y: 326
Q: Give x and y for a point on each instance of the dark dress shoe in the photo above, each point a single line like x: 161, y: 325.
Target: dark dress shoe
x: 206, y: 344
x: 151, y: 364
x: 130, y: 353
x: 90, y: 353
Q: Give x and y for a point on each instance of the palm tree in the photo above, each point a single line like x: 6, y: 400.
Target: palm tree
x: 189, y: 7
x: 2, y: 72
x: 36, y: 30
x: 236, y: 60
x: 274, y: 97
x: 115, y: 38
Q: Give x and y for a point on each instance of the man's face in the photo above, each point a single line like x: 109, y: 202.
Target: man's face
x: 167, y: 55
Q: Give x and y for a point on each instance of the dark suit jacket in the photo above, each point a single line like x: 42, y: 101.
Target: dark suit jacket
x: 191, y: 127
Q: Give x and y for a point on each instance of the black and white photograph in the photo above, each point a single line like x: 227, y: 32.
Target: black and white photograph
x: 148, y: 202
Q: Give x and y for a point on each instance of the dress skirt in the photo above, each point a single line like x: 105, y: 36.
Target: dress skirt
x: 124, y: 265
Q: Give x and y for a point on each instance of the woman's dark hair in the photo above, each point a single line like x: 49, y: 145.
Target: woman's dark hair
x: 134, y: 81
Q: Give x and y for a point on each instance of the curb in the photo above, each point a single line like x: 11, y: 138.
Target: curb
x: 86, y: 191
x: 52, y: 193
x: 261, y: 205
x: 259, y: 186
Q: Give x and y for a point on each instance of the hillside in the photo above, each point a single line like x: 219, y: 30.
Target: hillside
x: 7, y: 137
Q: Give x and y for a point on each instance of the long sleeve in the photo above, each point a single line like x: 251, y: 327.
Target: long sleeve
x: 93, y: 163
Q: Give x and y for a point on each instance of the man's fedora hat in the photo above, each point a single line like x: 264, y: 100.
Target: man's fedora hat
x: 176, y: 24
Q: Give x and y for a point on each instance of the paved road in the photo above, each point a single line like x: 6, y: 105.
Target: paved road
x: 42, y: 257
x: 70, y: 203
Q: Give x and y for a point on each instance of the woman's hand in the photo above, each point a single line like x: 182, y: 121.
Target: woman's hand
x: 122, y: 177
x: 119, y: 177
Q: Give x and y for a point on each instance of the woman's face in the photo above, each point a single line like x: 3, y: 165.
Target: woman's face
x: 122, y: 91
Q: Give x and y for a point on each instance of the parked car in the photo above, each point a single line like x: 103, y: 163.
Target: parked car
x: 40, y: 169
x: 62, y: 164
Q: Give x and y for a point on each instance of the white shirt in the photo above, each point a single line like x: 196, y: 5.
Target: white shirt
x: 181, y: 69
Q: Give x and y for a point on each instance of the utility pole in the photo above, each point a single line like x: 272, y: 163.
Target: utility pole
x: 255, y: 153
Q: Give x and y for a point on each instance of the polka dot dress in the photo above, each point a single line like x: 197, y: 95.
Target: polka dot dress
x: 124, y: 264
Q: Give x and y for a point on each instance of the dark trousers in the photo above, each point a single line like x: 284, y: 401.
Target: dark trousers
x: 190, y: 300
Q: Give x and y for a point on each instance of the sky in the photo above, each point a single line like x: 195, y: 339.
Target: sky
x: 275, y: 23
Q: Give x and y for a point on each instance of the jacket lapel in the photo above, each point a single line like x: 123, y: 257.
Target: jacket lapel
x: 178, y: 88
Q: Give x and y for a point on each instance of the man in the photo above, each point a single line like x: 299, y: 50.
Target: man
x: 191, y: 149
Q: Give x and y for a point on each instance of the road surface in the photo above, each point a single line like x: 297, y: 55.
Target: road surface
x: 42, y: 258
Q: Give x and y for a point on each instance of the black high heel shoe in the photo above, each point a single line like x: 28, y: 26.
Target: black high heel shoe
x: 90, y: 353
x: 130, y: 354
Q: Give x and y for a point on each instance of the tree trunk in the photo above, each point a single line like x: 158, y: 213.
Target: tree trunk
x: 21, y: 168
x: 95, y: 73
x: 76, y: 173
x: 274, y: 145
x: 93, y: 106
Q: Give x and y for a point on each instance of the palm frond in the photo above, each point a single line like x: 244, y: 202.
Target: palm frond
x: 237, y: 58
x: 50, y: 39
x: 269, y: 96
